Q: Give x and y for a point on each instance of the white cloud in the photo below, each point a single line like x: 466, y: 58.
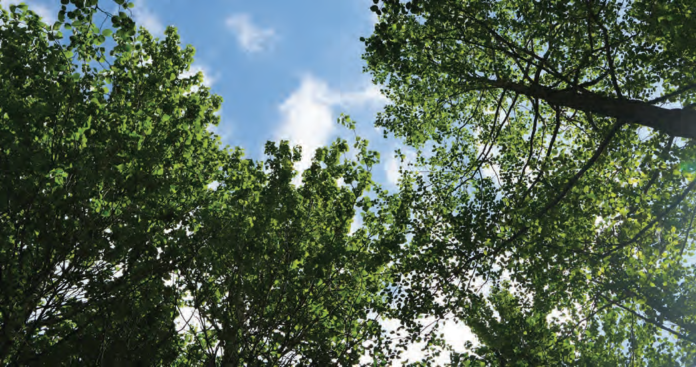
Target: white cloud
x: 391, y: 166
x: 393, y: 163
x: 251, y: 37
x: 456, y: 334
x: 371, y: 96
x: 223, y: 129
x: 144, y: 17
x: 370, y: 16
x: 308, y: 116
x: 490, y: 170
x: 208, y: 78
x: 47, y: 14
x: 357, y: 223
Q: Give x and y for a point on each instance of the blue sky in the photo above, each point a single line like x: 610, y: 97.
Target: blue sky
x: 285, y: 69
x: 260, y: 53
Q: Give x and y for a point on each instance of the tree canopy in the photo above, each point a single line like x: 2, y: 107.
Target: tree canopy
x: 553, y: 166
x: 111, y: 230
x: 549, y: 208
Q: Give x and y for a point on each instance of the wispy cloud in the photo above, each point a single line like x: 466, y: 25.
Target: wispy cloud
x: 144, y: 17
x: 223, y: 130
x: 47, y: 14
x: 208, y: 78
x: 394, y: 163
x: 371, y: 96
x: 308, y: 116
x: 391, y: 168
x: 251, y: 37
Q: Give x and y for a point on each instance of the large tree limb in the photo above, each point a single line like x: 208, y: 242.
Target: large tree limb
x: 677, y: 122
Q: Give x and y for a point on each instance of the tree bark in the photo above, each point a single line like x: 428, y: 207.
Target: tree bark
x: 677, y: 122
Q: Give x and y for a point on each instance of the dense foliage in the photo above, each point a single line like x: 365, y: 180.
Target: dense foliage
x: 277, y: 276
x: 111, y: 227
x: 554, y: 172
x: 549, y: 208
x: 97, y: 163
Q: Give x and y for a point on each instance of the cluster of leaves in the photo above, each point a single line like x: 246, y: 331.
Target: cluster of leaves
x: 90, y: 161
x: 278, y: 277
x: 547, y: 159
x: 115, y: 249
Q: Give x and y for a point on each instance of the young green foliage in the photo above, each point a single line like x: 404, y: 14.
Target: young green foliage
x: 277, y: 275
x: 547, y: 158
x: 100, y: 169
x: 109, y: 230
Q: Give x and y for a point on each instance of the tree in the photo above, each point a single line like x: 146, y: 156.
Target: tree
x: 278, y: 278
x: 109, y: 230
x: 549, y: 158
x: 96, y: 164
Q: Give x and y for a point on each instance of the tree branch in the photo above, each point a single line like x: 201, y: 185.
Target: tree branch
x: 638, y: 235
x: 673, y: 94
x: 679, y: 122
